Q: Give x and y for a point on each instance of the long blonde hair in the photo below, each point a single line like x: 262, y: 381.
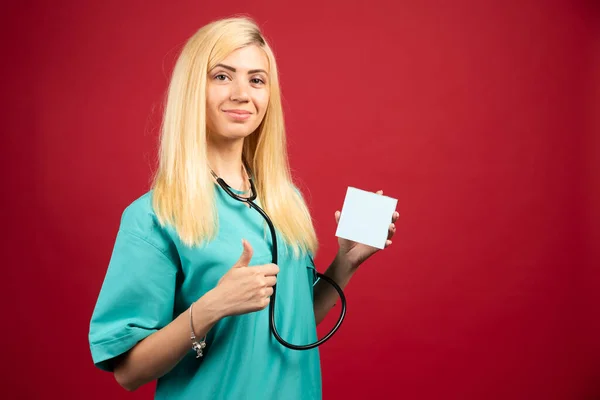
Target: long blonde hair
x: 183, y: 190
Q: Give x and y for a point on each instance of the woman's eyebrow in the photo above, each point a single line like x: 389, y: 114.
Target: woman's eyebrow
x: 252, y: 71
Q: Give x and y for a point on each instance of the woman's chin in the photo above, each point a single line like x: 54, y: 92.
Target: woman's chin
x: 232, y: 135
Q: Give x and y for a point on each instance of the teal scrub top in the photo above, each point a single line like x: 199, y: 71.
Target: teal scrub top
x: 153, y: 277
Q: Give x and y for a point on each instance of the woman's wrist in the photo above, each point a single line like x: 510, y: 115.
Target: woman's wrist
x: 206, y: 312
x: 345, y: 261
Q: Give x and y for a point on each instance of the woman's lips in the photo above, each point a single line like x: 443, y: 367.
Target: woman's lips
x: 238, y: 115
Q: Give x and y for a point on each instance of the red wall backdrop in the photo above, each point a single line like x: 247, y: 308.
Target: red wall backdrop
x: 483, y: 120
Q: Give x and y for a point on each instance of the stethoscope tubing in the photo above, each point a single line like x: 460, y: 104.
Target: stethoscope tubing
x: 250, y: 201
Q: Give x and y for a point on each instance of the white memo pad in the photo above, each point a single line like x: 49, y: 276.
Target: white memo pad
x: 366, y: 217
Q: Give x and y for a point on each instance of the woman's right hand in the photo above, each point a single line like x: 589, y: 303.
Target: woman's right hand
x: 246, y: 289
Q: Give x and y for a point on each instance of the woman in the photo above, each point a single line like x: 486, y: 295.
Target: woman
x: 189, y: 261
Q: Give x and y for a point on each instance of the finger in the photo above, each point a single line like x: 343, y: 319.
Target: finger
x: 268, y: 292
x: 337, y: 217
x: 246, y: 256
x: 268, y: 269
x: 379, y: 192
x: 395, y: 216
x: 391, y: 231
x: 270, y: 280
x: 388, y: 243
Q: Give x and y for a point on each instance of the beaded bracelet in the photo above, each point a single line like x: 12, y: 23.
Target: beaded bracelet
x: 197, y: 346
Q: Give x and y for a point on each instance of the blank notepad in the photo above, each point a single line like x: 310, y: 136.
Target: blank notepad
x: 365, y: 217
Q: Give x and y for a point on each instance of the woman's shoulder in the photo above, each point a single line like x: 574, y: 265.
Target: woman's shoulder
x: 139, y: 210
x: 139, y: 219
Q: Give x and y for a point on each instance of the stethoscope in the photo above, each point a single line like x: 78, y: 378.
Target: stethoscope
x: 250, y: 201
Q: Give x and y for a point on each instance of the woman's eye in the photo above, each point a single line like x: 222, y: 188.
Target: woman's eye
x: 221, y: 77
x: 257, y: 81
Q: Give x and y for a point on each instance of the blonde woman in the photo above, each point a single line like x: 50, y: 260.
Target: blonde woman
x: 185, y: 294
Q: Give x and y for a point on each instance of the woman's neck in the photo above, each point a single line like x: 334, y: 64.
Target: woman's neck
x: 225, y: 159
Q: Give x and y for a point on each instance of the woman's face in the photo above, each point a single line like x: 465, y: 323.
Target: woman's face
x: 237, y: 93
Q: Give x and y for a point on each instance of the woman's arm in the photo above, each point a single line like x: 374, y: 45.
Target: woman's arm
x: 241, y: 290
x: 347, y: 261
x: 157, y: 354
x: 325, y: 296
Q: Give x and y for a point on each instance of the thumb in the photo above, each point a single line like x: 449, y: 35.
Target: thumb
x: 246, y: 256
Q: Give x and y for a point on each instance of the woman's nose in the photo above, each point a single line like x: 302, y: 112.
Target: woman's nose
x: 239, y: 92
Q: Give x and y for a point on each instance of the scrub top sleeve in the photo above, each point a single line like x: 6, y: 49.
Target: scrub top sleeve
x: 312, y: 267
x: 136, y: 298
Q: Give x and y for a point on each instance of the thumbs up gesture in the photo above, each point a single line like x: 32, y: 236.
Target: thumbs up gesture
x: 246, y: 289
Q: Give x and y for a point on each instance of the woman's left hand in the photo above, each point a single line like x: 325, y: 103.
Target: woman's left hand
x: 357, y: 253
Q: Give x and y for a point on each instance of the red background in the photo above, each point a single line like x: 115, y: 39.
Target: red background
x: 481, y: 119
